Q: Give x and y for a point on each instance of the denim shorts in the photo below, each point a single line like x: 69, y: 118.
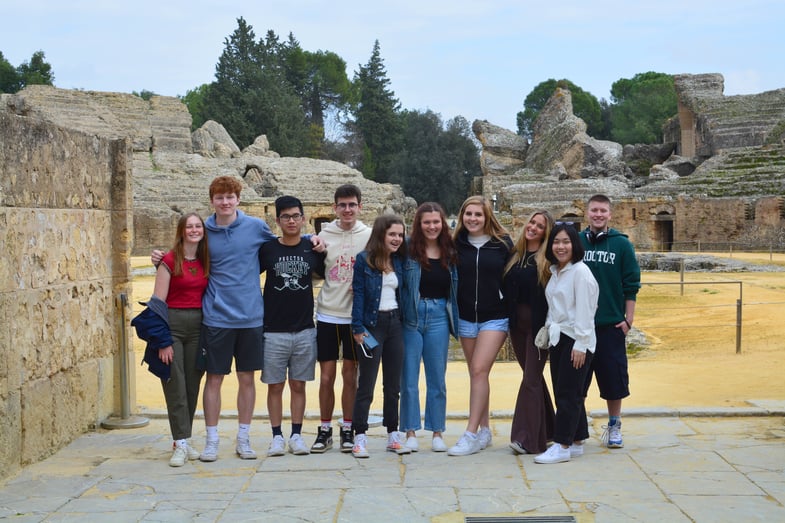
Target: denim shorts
x: 470, y: 329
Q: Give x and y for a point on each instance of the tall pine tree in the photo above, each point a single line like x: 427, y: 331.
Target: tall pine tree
x: 251, y: 95
x: 377, y: 118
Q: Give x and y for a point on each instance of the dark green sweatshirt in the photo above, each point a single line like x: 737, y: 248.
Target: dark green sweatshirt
x: 614, y: 265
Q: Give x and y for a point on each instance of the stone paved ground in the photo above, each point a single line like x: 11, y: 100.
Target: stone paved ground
x: 672, y: 469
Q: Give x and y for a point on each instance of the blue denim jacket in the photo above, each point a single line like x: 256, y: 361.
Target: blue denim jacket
x: 367, y: 290
x: 410, y: 295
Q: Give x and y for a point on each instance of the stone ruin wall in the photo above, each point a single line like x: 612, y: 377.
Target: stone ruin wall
x: 730, y: 193
x: 65, y: 207
x: 172, y: 167
x: 711, y: 222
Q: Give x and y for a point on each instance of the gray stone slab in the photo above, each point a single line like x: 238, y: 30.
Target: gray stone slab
x: 119, y: 515
x: 429, y: 502
x: 724, y: 508
x: 643, y: 428
x: 773, y: 407
x: 380, y: 504
x: 513, y: 498
x: 681, y: 459
x: 705, y: 484
x: 756, y: 456
x: 666, y: 472
x: 161, y: 515
x: 315, y: 479
x: 772, y: 483
x: 655, y: 512
x: 23, y: 518
x: 588, y: 467
x: 291, y: 505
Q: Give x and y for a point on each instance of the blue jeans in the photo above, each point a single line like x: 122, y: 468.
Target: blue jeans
x: 429, y: 342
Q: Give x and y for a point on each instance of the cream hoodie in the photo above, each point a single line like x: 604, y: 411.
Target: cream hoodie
x: 335, y: 298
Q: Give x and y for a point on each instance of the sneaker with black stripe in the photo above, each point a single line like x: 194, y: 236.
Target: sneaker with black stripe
x: 347, y: 439
x: 324, y: 441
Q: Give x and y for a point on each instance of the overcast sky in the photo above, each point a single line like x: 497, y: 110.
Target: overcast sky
x: 475, y: 58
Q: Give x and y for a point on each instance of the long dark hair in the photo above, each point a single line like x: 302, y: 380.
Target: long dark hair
x: 202, y: 252
x: 377, y: 253
x: 418, y: 243
x: 572, y: 233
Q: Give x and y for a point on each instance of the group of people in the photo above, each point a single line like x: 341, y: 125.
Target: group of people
x: 579, y: 289
x: 392, y: 301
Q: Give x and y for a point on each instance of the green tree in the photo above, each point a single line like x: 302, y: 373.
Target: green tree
x: 251, y: 94
x: 144, y: 94
x: 321, y: 82
x: 319, y: 78
x: 194, y: 100
x: 9, y: 78
x: 376, y: 117
x: 584, y: 106
x: 436, y: 162
x: 640, y: 106
x: 37, y: 71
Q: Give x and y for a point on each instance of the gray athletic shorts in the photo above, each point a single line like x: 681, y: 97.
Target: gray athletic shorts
x: 295, y: 351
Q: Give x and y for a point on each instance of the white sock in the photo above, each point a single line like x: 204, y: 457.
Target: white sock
x: 243, y: 431
x: 212, y: 433
x: 181, y: 443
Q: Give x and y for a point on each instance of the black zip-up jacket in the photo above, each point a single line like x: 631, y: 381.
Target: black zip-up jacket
x: 480, y: 273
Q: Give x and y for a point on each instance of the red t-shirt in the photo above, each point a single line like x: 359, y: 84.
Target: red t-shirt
x: 186, y: 290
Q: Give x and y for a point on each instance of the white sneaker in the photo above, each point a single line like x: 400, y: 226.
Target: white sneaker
x: 297, y: 445
x: 411, y: 444
x: 179, y: 456
x: 360, y: 450
x: 468, y: 444
x: 191, y: 452
x: 395, y: 443
x: 555, y: 454
x: 277, y: 446
x: 438, y: 444
x: 611, y: 437
x: 244, y: 450
x: 210, y: 452
x: 485, y: 437
x: 576, y: 450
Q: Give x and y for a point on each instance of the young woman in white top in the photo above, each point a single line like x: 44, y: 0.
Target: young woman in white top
x: 572, y: 294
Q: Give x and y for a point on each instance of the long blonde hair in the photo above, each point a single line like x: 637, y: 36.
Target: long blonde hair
x: 492, y: 226
x: 519, y: 250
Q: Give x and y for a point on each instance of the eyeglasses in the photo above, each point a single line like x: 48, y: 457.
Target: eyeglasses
x: 568, y: 224
x: 350, y: 205
x: 290, y: 217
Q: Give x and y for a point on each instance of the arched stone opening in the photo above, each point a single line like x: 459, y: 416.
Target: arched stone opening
x: 663, y: 230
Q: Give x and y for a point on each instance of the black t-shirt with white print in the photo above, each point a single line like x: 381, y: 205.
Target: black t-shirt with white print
x: 288, y: 287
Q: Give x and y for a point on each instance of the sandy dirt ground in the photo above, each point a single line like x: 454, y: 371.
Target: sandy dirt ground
x: 690, y: 360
